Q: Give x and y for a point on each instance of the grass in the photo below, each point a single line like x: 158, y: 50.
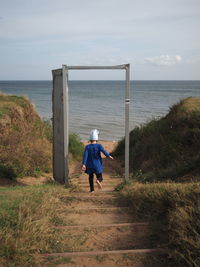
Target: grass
x: 76, y: 147
x: 25, y: 146
x: 164, y: 156
x: 27, y: 220
x: 173, y: 210
x: 26, y: 140
x: 53, y: 261
x: 167, y: 148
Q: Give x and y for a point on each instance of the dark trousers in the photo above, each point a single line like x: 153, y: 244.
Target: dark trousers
x: 91, y: 180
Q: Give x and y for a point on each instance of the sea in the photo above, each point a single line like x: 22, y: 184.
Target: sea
x: 100, y: 104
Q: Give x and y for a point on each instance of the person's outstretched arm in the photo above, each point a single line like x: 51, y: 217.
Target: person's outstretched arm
x: 105, y: 152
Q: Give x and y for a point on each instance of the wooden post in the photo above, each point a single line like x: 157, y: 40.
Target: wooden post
x: 127, y: 102
x: 60, y: 122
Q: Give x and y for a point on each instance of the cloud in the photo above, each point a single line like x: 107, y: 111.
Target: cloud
x: 164, y: 60
x: 100, y: 33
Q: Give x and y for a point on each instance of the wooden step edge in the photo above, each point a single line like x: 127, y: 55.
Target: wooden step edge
x: 95, y: 186
x: 103, y: 182
x: 97, y: 191
x: 103, y: 185
x: 98, y: 209
x: 106, y: 183
x: 107, y: 252
x: 102, y: 225
x: 104, y: 191
x: 85, y: 195
x: 80, y: 182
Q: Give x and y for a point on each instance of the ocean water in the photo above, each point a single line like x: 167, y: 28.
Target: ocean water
x: 100, y: 104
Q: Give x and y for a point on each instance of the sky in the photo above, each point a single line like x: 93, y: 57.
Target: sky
x: 160, y: 39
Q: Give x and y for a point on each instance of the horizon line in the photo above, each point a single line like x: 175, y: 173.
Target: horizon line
x: 103, y: 80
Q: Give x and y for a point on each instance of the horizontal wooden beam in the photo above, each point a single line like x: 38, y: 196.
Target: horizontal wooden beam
x: 105, y: 252
x: 115, y: 67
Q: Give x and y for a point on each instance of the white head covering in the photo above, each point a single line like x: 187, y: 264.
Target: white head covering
x: 94, y: 135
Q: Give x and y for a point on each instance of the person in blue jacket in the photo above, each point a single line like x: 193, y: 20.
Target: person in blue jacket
x: 92, y: 161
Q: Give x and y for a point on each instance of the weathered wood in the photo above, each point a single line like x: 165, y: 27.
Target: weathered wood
x: 116, y: 67
x: 127, y: 102
x: 60, y: 143
x: 107, y: 252
x: 79, y: 226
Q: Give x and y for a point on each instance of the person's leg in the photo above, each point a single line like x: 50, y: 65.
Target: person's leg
x: 91, y: 182
x: 99, y: 180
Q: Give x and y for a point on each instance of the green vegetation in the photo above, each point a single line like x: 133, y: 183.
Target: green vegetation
x: 76, y: 148
x: 26, y: 139
x: 167, y: 148
x: 54, y: 261
x: 27, y: 220
x: 25, y: 147
x: 173, y: 210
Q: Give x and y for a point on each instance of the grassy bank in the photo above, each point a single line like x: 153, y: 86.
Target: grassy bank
x: 27, y: 217
x: 174, y: 213
x: 167, y: 148
x: 26, y: 139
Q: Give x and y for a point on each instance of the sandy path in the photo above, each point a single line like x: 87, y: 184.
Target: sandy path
x: 97, y: 229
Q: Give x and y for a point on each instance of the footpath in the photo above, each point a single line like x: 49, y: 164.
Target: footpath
x: 101, y: 230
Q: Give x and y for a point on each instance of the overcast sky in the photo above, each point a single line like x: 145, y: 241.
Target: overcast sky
x: 161, y: 39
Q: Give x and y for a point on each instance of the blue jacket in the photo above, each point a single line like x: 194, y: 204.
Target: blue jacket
x: 92, y: 158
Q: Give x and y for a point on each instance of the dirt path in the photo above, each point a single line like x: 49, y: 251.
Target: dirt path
x: 98, y: 230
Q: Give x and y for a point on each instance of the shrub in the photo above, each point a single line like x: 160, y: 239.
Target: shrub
x: 25, y: 147
x: 166, y: 148
x: 75, y: 146
x: 26, y: 139
x: 174, y: 213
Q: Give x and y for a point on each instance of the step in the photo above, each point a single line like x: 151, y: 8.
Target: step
x: 91, y: 195
x: 105, y: 225
x: 108, y: 252
x: 96, y: 218
x: 107, y: 186
x: 105, y: 179
x: 92, y: 202
x: 105, y: 237
x: 118, y: 210
x: 113, y: 258
x: 108, y: 182
x: 96, y: 201
x: 96, y: 187
x: 99, y: 192
x: 95, y: 196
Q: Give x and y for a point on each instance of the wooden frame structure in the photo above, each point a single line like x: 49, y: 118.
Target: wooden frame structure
x: 60, y: 118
